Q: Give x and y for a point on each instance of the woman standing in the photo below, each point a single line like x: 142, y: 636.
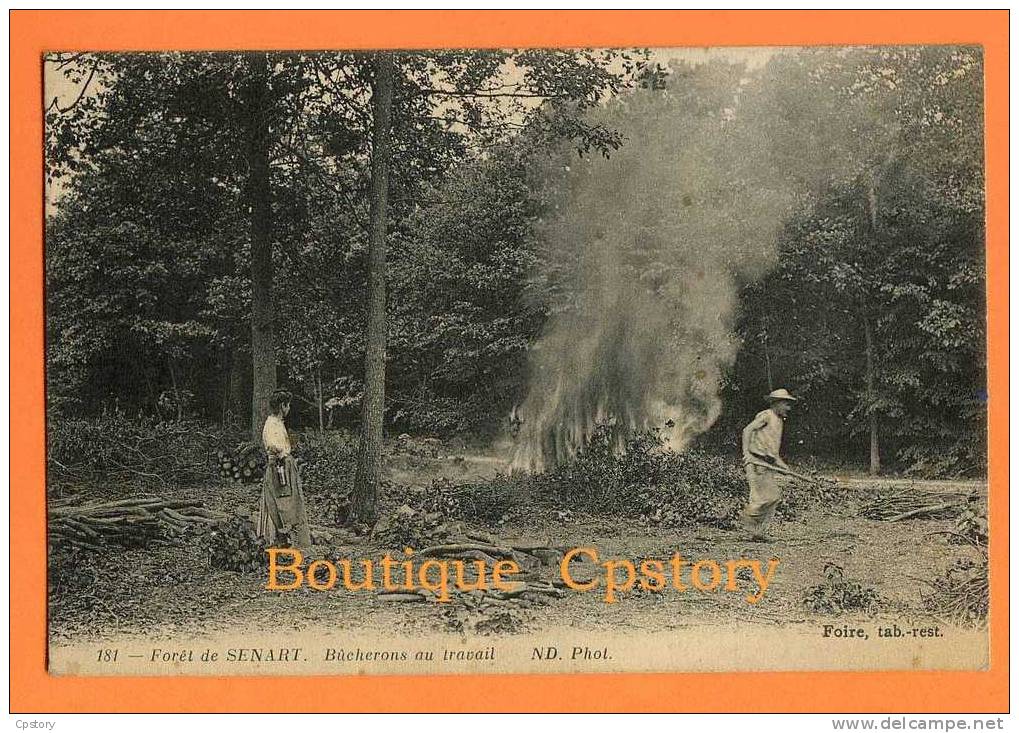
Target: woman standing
x: 281, y: 510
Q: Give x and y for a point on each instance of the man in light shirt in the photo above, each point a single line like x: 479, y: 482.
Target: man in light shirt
x: 762, y: 441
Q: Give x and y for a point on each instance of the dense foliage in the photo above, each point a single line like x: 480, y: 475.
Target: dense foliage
x: 871, y: 308
x: 882, y: 276
x: 143, y: 450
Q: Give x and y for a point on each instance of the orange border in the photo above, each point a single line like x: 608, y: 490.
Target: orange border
x: 32, y: 32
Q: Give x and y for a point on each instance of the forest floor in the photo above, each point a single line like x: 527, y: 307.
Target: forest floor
x: 165, y: 591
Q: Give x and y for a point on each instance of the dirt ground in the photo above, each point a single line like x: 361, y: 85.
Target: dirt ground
x: 166, y: 591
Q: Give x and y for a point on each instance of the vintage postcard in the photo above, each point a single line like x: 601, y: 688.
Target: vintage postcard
x: 494, y: 358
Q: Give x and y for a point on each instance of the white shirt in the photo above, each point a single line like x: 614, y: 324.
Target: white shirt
x: 766, y: 434
x: 275, y: 438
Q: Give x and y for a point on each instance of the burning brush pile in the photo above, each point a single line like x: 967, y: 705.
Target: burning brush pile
x: 643, y: 255
x: 646, y: 479
x: 643, y: 480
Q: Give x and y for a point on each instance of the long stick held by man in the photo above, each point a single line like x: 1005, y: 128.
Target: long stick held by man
x: 767, y: 473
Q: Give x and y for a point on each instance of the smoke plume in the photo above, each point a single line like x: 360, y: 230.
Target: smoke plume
x: 644, y: 256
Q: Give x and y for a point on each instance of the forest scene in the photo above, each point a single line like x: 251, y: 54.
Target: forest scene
x: 520, y: 300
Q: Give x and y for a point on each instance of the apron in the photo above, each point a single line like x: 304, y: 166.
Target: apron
x: 282, y: 504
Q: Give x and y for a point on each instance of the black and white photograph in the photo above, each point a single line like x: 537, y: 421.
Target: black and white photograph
x: 468, y: 361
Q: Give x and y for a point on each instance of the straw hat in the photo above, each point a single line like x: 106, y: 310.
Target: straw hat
x: 780, y: 394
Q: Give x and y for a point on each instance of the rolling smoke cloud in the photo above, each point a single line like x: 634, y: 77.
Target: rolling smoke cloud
x: 645, y: 254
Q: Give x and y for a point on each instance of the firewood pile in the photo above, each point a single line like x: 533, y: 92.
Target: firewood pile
x: 244, y: 464
x: 909, y: 503
x: 234, y: 545
x: 139, y: 521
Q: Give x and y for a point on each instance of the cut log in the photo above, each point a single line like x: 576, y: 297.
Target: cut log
x: 923, y: 510
x: 443, y: 550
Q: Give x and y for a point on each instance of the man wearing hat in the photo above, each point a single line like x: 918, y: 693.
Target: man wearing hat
x: 762, y: 439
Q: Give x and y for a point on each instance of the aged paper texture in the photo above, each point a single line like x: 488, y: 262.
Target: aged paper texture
x: 516, y: 361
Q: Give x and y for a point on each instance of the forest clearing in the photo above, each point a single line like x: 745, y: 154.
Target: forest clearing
x: 490, y: 306
x: 166, y: 590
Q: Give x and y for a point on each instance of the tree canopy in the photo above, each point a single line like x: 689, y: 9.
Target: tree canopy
x: 837, y: 193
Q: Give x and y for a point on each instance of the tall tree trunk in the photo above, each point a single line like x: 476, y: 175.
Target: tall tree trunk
x: 875, y: 452
x: 176, y: 388
x: 227, y: 372
x: 364, y: 500
x: 868, y: 334
x: 263, y: 356
x: 240, y: 385
x: 318, y: 394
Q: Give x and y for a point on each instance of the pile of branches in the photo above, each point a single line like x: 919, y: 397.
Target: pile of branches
x: 910, y: 503
x: 489, y: 610
x: 442, y: 496
x: 234, y: 545
x: 430, y: 514
x: 114, y: 448
x: 328, y: 462
x: 139, y: 521
x: 820, y: 492
x: 646, y: 480
x: 962, y: 593
x: 409, y: 527
x: 491, y: 501
x: 838, y: 595
x: 244, y: 464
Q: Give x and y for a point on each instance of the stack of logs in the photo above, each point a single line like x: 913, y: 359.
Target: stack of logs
x: 139, y: 521
x: 244, y: 464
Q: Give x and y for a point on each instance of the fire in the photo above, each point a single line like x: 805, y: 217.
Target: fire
x: 643, y: 257
x: 624, y: 373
